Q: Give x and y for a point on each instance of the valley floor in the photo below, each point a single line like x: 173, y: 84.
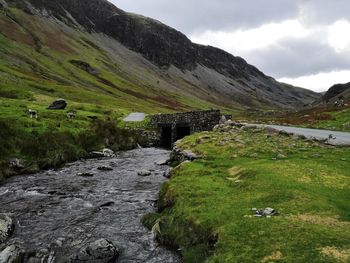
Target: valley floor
x: 206, y: 207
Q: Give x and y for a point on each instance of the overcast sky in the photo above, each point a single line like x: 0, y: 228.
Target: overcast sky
x: 301, y: 42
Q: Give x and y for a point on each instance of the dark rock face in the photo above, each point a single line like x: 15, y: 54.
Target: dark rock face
x: 84, y: 66
x: 335, y: 91
x: 159, y: 43
x: 59, y: 104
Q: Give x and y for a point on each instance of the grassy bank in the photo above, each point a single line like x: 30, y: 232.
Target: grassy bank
x: 47, y: 144
x: 205, y: 209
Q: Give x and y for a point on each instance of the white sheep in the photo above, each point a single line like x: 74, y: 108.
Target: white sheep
x: 70, y: 115
x: 33, y: 114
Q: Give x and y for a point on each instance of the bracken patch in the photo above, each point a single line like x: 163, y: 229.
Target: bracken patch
x: 321, y: 220
x: 341, y: 255
x: 274, y: 257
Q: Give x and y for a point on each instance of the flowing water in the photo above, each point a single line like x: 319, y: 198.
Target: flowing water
x: 57, y: 212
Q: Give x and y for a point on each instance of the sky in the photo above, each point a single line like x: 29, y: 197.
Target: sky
x: 302, y: 42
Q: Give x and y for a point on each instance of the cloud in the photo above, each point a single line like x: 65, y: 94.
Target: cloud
x: 319, y: 82
x: 323, y: 12
x: 338, y: 37
x: 256, y: 38
x: 298, y: 57
x: 190, y: 16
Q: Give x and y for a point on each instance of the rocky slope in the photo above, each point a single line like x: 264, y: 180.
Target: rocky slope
x: 131, y: 57
x: 338, y: 91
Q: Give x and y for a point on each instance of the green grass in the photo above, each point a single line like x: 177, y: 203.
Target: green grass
x: 340, y: 120
x: 204, y: 202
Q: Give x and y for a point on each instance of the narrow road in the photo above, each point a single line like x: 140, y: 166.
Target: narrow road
x: 135, y: 117
x: 335, y: 137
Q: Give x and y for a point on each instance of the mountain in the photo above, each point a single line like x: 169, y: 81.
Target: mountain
x: 337, y: 91
x: 93, y: 52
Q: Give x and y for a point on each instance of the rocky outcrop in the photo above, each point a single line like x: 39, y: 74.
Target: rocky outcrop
x: 59, y: 104
x: 335, y: 91
x: 179, y: 155
x: 84, y: 66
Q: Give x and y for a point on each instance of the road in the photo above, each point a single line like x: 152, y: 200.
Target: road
x: 337, y: 138
x: 135, y: 117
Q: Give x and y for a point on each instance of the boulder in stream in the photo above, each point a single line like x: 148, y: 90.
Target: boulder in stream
x: 6, y: 227
x: 85, y: 174
x: 144, y: 173
x: 105, y: 153
x: 105, y: 168
x: 12, y: 254
x: 99, y: 251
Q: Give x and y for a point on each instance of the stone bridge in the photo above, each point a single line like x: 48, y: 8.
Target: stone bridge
x: 175, y: 126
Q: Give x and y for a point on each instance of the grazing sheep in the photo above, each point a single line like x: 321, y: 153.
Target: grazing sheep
x: 33, y: 114
x: 70, y: 115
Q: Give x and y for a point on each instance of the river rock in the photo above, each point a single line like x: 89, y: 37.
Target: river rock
x: 99, y: 251
x: 85, y: 174
x: 105, y: 168
x: 162, y: 162
x: 144, y: 173
x: 16, y: 163
x: 12, y: 254
x: 108, y: 152
x: 179, y: 155
x: 167, y: 173
x: 96, y: 155
x: 6, y: 227
x: 59, y: 104
x: 105, y: 153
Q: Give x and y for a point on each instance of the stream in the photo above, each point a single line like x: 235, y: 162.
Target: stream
x: 56, y: 213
